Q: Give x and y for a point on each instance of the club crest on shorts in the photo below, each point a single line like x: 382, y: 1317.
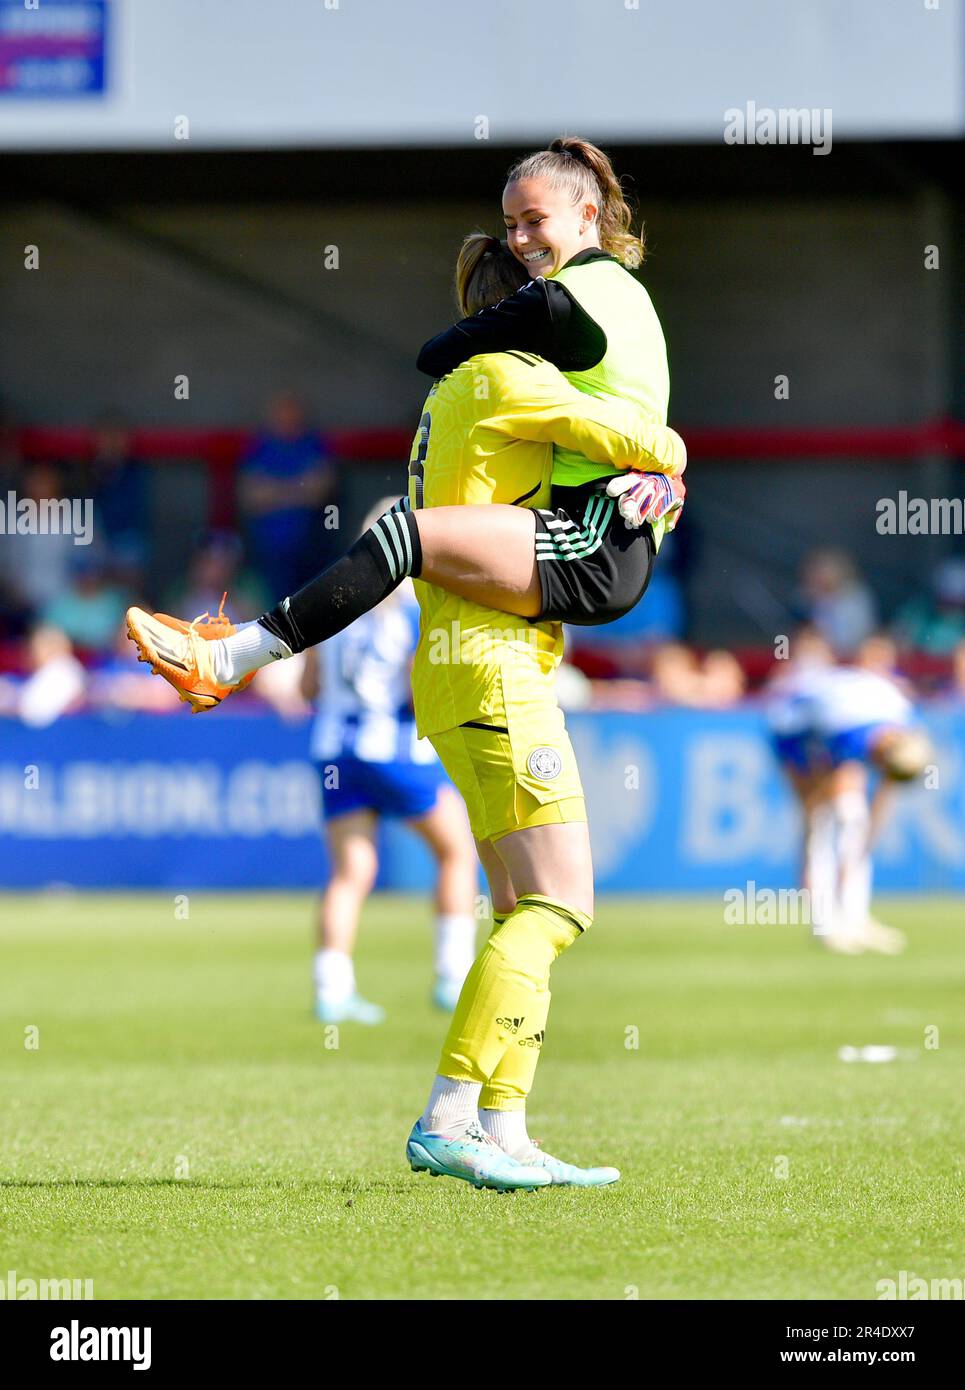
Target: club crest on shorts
x: 545, y: 763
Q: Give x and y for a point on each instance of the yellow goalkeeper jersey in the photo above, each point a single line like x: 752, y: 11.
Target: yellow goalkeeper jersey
x: 487, y: 434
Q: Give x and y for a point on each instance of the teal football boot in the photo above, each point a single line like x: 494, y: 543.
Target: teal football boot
x: 445, y: 994
x: 567, y: 1174
x: 472, y: 1156
x: 354, y: 1009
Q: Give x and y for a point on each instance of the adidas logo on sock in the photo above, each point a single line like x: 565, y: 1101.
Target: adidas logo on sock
x: 535, y: 1040
x: 513, y: 1024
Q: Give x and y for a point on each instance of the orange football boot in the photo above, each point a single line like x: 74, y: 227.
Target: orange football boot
x: 176, y: 650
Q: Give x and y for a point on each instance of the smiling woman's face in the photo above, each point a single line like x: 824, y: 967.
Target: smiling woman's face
x: 544, y: 227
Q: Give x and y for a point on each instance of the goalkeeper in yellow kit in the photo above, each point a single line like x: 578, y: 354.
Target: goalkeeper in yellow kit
x: 484, y: 692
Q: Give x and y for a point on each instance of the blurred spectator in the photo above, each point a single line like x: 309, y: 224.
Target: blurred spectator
x: 34, y: 568
x: 936, y: 622
x: 284, y: 481
x: 676, y: 676
x: 89, y: 608
x: 119, y: 487
x: 215, y: 569
x: 724, y: 682
x: 57, y: 682
x: 679, y: 678
x: 619, y: 694
x: 878, y: 653
x: 836, y: 600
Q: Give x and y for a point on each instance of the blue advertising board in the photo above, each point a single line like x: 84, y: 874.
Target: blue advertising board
x: 52, y: 48
x: 679, y: 802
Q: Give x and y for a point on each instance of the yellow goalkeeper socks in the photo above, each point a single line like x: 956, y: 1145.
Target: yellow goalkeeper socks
x: 512, y: 1081
x: 506, y: 994
x: 506, y: 1091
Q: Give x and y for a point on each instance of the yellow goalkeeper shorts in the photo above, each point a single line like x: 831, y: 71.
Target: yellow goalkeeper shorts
x: 517, y: 767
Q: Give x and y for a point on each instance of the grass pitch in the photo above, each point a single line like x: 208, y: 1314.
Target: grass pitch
x: 183, y: 1130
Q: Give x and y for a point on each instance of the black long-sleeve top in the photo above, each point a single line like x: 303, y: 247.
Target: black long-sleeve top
x: 543, y: 317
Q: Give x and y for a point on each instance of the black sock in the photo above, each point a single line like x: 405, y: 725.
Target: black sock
x: 377, y: 563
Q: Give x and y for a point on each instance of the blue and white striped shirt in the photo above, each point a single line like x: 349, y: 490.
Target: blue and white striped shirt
x: 364, y: 706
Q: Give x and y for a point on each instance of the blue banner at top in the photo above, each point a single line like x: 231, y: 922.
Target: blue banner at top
x: 52, y: 48
x: 679, y: 801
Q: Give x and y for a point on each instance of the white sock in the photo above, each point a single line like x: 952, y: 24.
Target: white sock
x: 508, y: 1128
x: 854, y: 858
x: 250, y: 648
x: 455, y: 946
x: 452, y: 1105
x: 820, y: 870
x: 334, y: 977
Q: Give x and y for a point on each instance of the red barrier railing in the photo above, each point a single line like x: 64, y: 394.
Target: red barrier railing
x: 221, y: 449
x: 727, y: 441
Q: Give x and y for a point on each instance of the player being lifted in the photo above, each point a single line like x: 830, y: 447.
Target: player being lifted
x: 838, y: 731
x: 572, y: 559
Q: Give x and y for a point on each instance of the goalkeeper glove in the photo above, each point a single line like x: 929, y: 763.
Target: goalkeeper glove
x: 648, y: 497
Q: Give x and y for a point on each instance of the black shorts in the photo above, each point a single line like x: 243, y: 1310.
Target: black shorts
x: 592, y: 567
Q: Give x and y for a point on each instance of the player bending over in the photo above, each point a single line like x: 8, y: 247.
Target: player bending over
x: 837, y: 732
x: 372, y: 765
